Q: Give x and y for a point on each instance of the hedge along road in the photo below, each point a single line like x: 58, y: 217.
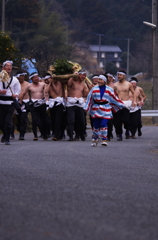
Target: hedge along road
x: 71, y: 191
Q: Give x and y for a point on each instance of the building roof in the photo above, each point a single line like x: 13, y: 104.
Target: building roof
x: 104, y: 48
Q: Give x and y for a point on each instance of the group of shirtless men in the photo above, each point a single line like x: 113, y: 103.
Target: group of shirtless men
x: 67, y: 105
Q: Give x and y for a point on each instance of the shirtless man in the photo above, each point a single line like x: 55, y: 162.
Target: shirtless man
x: 111, y: 79
x: 94, y: 82
x: 56, y: 104
x: 141, y: 103
x: 77, y: 89
x: 134, y: 111
x: 22, y: 117
x: 36, y: 91
x: 122, y: 89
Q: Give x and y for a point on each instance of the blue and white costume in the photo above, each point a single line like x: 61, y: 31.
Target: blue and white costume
x: 101, y: 101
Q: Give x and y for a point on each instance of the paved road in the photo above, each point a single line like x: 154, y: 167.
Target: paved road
x: 71, y: 191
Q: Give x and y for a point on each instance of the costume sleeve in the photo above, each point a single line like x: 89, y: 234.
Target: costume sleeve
x: 1, y: 86
x: 16, y: 88
x: 115, y: 102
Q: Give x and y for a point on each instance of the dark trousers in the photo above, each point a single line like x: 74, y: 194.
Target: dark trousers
x: 139, y: 120
x: 75, y: 121
x: 39, y: 120
x: 22, y: 123
x: 49, y: 124
x: 134, y: 120
x: 6, y: 113
x: 56, y: 114
x: 110, y: 127
x: 121, y: 117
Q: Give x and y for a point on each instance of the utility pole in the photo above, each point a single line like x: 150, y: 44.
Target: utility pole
x: 99, y: 57
x: 154, y: 60
x: 3, y: 15
x: 4, y: 2
x: 128, y: 45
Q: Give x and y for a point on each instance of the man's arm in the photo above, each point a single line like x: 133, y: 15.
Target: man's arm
x: 89, y: 85
x: 134, y: 102
x: 85, y: 90
x: 142, y: 93
x: 115, y: 90
x: 23, y: 94
x: 57, y: 87
x: 70, y: 82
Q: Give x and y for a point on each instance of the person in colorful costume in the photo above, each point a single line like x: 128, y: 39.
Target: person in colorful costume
x: 100, y: 102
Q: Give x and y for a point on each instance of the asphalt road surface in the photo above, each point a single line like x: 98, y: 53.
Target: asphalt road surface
x: 71, y: 191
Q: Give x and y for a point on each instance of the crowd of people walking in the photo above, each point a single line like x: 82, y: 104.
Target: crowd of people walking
x: 59, y: 109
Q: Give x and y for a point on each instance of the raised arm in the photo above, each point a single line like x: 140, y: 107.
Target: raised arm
x: 70, y: 82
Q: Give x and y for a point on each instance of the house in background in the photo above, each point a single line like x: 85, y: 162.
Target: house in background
x: 105, y: 54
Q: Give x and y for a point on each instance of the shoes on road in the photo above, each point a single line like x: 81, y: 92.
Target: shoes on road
x: 104, y: 143
x: 94, y: 142
x: 21, y: 138
x: 133, y: 137
x: 127, y: 134
x: 119, y: 137
x: 70, y: 139
x: 54, y: 139
x: 35, y: 139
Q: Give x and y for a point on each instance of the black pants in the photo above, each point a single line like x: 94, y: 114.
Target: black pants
x: 49, y: 124
x: 22, y: 123
x: 110, y: 127
x: 121, y: 117
x: 75, y: 121
x: 6, y: 113
x: 139, y: 120
x: 134, y: 121
x: 39, y: 120
x: 56, y: 114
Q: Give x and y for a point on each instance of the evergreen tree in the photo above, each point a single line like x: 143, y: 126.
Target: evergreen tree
x: 8, y: 50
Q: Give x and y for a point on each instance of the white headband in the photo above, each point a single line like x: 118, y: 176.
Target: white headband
x: 21, y: 74
x: 103, y: 78
x: 46, y: 77
x: 8, y: 61
x: 110, y: 75
x: 82, y: 72
x: 134, y: 81
x: 121, y: 73
x: 33, y: 75
x: 95, y: 77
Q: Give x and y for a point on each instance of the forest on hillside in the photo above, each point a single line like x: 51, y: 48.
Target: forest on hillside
x: 49, y: 29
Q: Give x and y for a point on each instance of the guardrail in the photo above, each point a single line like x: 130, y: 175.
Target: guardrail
x: 149, y: 113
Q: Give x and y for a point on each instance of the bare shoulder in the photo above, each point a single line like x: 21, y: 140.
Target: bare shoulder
x: 26, y: 84
x: 42, y: 83
x: 139, y: 88
x: 115, y: 84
